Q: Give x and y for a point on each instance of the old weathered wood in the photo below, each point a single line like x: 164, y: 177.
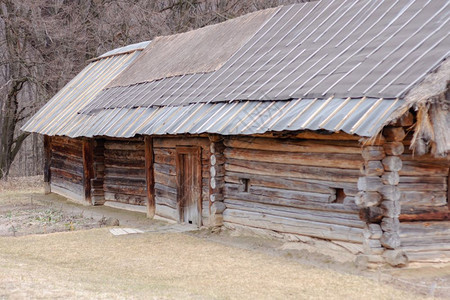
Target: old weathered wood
x: 392, y: 163
x: 88, y: 168
x: 390, y: 178
x: 289, y: 145
x: 300, y: 172
x: 390, y: 240
x: 390, y: 224
x: 390, y: 192
x: 287, y: 225
x: 373, y: 153
x: 345, y: 219
x: 414, y: 213
x: 394, y: 134
x: 405, y: 120
x: 369, y: 183
x: 333, y: 160
x: 149, y: 177
x: 394, y: 148
x: 391, y: 209
x: 47, y: 161
x: 367, y: 199
x: 372, y: 168
x: 396, y: 258
x: 372, y: 214
x: 423, y: 168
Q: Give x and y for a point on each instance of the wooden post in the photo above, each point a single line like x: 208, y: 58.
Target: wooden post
x: 88, y: 167
x: 47, y: 164
x: 149, y: 177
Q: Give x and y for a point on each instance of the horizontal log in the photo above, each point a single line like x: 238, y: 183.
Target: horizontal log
x: 165, y: 179
x: 296, y: 145
x: 68, y: 192
x: 372, y: 168
x: 372, y: 214
x: 333, y: 160
x: 392, y: 163
x: 74, y: 187
x: 130, y: 199
x: 283, y: 194
x: 441, y: 180
x: 124, y: 145
x: 345, y: 219
x: 421, y: 229
x: 135, y: 155
x: 429, y: 257
x: 422, y: 198
x: 66, y: 150
x: 167, y: 212
x: 294, y: 171
x: 367, y: 199
x: 390, y: 192
x: 65, y: 175
x: 373, y: 153
x: 165, y: 169
x: 423, y: 187
x: 61, y: 140
x: 369, y: 184
x: 164, y: 159
x: 314, y: 135
x: 234, y: 193
x: 394, y: 134
x: 68, y: 166
x: 278, y: 182
x: 394, y: 148
x: 288, y: 225
x: 112, y: 172
x: 119, y: 163
x: 126, y: 181
x: 159, y: 200
x: 415, y: 213
x: 416, y: 168
x: 162, y: 190
x: 390, y: 178
x: 172, y: 142
x: 127, y: 190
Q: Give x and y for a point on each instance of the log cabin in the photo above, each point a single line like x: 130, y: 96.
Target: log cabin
x: 326, y: 120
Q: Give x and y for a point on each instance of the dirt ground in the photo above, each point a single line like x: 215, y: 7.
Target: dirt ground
x: 51, y: 248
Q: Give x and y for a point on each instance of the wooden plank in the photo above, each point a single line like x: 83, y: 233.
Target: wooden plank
x: 165, y: 169
x: 64, y: 174
x: 423, y: 198
x: 166, y: 201
x: 333, y: 160
x: 149, y: 177
x: 173, y: 142
x: 351, y: 220
x: 119, y: 173
x: 277, y: 182
x: 88, y: 168
x: 293, y: 145
x: 423, y: 168
x: 415, y: 213
x: 47, y: 162
x: 123, y: 198
x: 125, y: 189
x: 233, y: 192
x: 294, y: 171
x: 169, y: 180
x: 124, y: 145
x: 288, y: 225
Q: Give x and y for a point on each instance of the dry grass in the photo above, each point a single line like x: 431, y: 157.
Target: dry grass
x: 94, y: 263
x: 22, y: 184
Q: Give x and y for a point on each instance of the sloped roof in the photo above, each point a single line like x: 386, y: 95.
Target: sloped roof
x: 336, y: 65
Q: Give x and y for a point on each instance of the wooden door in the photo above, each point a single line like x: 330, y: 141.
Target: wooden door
x: 189, y: 179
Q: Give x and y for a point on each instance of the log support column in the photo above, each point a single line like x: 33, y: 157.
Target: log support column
x: 390, y: 224
x: 47, y: 162
x: 97, y: 192
x: 369, y: 199
x: 217, y: 178
x: 149, y: 177
x: 88, y: 167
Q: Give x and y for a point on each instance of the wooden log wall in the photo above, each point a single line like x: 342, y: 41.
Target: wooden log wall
x: 164, y: 156
x: 294, y: 186
x: 124, y: 171
x: 66, y: 167
x: 97, y: 192
x: 424, y: 217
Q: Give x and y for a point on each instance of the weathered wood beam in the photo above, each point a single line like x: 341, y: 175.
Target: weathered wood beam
x: 88, y: 167
x: 47, y: 163
x: 149, y: 177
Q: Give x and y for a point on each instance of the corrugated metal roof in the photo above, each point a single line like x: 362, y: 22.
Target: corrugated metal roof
x: 336, y: 65
x: 363, y: 117
x: 60, y: 114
